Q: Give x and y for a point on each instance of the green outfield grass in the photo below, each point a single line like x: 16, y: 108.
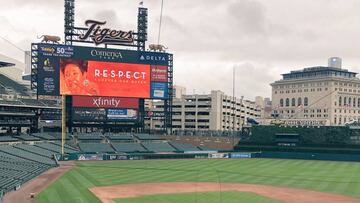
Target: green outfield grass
x: 203, y: 197
x: 336, y: 177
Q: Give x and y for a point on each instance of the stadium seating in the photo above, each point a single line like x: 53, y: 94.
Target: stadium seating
x: 8, y: 139
x: 56, y: 148
x: 32, y: 102
x: 44, y: 136
x: 119, y: 137
x: 93, y: 137
x: 58, y: 135
x: 67, y: 146
x: 147, y: 137
x: 128, y: 147
x: 26, y: 155
x: 95, y: 147
x: 2, y: 90
x: 159, y: 147
x: 203, y: 148
x: 18, y: 159
x: 27, y: 138
x: 16, y: 87
x: 15, y: 170
x: 184, y: 147
x: 36, y: 150
x: 11, y: 102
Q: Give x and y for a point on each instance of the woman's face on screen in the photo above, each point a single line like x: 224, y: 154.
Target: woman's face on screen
x: 74, y: 78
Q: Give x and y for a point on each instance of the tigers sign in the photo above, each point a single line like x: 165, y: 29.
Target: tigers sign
x: 101, y: 35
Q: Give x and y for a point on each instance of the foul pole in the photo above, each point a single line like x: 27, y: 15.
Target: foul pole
x: 63, y: 124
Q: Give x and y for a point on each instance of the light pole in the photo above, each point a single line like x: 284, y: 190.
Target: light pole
x: 233, y: 109
x: 241, y: 104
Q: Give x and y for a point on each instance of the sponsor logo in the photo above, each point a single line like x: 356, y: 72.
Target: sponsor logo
x: 122, y: 114
x: 48, y: 67
x: 155, y: 70
x: 106, y: 35
x: 100, y: 101
x: 106, y: 54
x: 145, y: 57
x: 48, y: 49
x: 57, y: 51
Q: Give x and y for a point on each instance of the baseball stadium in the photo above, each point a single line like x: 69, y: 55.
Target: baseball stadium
x: 77, y: 133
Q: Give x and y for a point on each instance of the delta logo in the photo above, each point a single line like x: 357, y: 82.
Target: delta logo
x: 145, y: 57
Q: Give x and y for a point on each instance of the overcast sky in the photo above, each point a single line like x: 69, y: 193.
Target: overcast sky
x: 260, y: 38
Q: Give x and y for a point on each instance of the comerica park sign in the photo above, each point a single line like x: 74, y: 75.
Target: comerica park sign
x: 103, y: 35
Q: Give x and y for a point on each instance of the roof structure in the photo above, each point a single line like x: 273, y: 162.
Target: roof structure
x: 5, y: 64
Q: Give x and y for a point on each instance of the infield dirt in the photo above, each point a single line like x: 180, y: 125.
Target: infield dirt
x: 107, y: 194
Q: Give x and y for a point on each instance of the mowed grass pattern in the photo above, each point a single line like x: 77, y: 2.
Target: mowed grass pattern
x: 201, y: 197
x: 326, y: 176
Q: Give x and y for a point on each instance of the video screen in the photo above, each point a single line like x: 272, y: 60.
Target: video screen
x: 95, y: 78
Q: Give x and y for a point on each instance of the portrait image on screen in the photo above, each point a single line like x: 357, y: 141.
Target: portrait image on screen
x: 96, y: 78
x: 74, y: 78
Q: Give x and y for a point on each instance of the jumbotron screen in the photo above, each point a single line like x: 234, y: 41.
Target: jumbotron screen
x: 88, y: 71
x: 104, y: 78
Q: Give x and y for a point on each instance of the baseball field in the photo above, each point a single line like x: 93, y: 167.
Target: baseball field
x: 206, y: 181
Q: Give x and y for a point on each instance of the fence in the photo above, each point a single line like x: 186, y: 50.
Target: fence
x: 309, y: 156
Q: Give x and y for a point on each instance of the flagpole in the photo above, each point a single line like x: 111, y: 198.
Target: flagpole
x: 161, y: 12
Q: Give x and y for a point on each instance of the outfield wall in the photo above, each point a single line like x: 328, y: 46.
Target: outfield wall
x: 216, y: 155
x: 142, y: 156
x: 220, y: 143
x: 308, y: 156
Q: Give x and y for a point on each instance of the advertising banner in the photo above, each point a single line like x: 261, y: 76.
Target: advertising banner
x: 79, y: 77
x: 105, y: 102
x: 48, y: 82
x: 54, y: 50
x: 159, y: 90
x: 121, y: 114
x: 240, y: 155
x: 50, y: 114
x: 159, y: 73
x: 218, y: 156
x: 116, y: 157
x: 155, y: 114
x: 123, y: 56
x: 49, y: 67
x: 89, y: 157
x: 89, y: 114
x: 91, y: 71
x: 153, y: 58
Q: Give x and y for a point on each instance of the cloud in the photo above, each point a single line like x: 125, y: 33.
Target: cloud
x: 249, y: 16
x: 261, y: 38
x: 35, y: 4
